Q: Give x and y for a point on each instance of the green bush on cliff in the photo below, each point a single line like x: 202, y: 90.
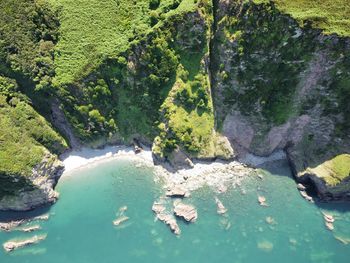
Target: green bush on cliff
x: 24, y: 134
x: 269, y: 56
x: 28, y: 31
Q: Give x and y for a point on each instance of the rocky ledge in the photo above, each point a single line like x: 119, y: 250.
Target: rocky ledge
x: 42, y: 181
x: 13, y: 245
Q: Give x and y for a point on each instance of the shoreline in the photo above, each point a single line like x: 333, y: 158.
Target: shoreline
x: 219, y: 175
x: 86, y: 157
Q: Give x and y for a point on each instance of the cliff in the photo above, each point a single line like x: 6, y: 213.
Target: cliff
x: 196, y: 79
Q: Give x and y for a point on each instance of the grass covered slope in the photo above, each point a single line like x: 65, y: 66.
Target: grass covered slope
x: 92, y: 31
x: 25, y: 136
x: 332, y: 16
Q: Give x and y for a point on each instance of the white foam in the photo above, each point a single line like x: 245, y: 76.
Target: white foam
x: 86, y: 156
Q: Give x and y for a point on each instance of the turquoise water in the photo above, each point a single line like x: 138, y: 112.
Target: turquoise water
x: 80, y: 227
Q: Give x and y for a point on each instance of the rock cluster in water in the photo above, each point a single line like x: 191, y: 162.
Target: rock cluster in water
x: 121, y: 217
x: 16, y: 226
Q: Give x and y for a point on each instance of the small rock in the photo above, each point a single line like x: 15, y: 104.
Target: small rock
x: 293, y: 241
x: 329, y: 226
x: 221, y: 209
x: 120, y: 220
x: 137, y: 149
x: 262, y: 200
x: 123, y: 209
x: 306, y: 196
x: 270, y: 220
x: 328, y: 218
x: 301, y: 187
x: 187, y: 212
x: 30, y: 228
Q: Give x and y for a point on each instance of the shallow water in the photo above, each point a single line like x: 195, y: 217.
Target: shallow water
x: 80, y: 226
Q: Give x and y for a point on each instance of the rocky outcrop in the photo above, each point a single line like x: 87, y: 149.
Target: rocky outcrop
x: 13, y: 245
x: 185, y: 211
x: 159, y: 209
x: 177, y: 191
x: 42, y: 181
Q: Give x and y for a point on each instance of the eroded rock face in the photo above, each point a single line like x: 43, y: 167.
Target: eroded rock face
x: 265, y: 108
x: 42, y: 182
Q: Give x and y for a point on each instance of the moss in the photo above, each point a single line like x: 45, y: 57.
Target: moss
x: 333, y: 171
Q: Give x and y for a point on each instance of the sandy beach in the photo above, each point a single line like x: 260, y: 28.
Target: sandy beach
x: 87, y: 157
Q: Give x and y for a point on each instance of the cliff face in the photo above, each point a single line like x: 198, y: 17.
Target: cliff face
x: 282, y: 87
x: 37, y: 189
x: 194, y: 79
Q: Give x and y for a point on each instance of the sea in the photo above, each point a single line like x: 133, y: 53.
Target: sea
x: 80, y: 228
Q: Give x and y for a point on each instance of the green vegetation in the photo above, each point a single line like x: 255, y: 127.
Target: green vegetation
x: 92, y: 31
x: 330, y: 15
x: 28, y: 34
x: 24, y: 134
x: 333, y: 171
x: 268, y: 58
x: 124, y: 68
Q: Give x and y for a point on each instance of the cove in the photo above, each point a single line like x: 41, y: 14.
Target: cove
x: 80, y: 227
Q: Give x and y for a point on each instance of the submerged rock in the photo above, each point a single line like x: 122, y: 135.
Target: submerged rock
x: 221, y: 209
x: 123, y: 209
x: 265, y: 245
x: 30, y: 228
x: 120, y: 220
x: 329, y: 226
x: 187, y: 212
x: 13, y: 245
x: 262, y: 200
x: 270, y: 220
x: 344, y: 240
